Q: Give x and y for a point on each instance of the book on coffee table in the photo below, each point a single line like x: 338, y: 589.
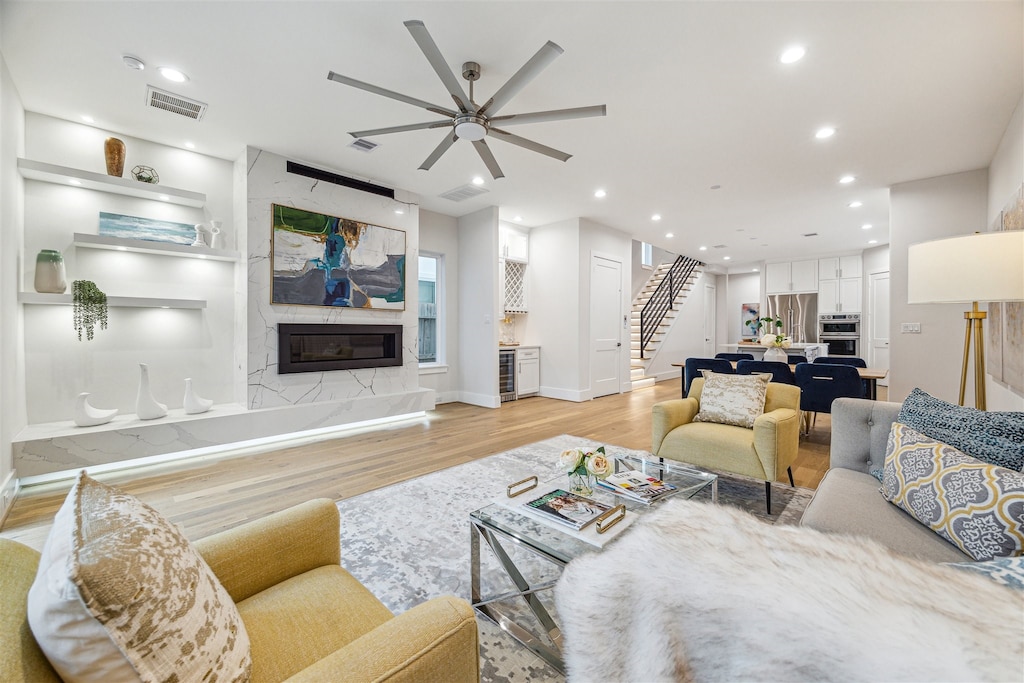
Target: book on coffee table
x: 567, y: 508
x: 637, y: 486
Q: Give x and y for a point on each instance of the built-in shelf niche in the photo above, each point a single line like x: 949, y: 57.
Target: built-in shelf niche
x: 87, y: 241
x: 62, y: 175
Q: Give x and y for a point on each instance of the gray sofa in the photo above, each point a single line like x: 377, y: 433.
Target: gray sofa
x: 847, y: 500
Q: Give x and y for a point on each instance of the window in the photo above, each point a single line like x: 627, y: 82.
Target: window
x: 431, y: 321
x: 646, y: 255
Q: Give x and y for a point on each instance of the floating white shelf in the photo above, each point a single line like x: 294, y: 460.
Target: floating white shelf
x: 115, y: 301
x: 62, y: 175
x: 124, y: 421
x: 87, y: 241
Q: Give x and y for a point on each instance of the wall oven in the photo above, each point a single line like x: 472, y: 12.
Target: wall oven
x: 841, y: 332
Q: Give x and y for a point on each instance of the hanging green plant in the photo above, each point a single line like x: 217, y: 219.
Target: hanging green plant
x: 90, y: 307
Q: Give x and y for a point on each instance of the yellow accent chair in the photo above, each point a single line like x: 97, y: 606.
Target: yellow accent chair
x: 307, y: 618
x: 764, y: 452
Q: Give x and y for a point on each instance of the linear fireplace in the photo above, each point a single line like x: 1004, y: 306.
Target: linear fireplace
x: 314, y: 347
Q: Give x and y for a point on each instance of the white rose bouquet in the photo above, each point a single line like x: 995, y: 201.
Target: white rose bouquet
x: 583, y: 462
x: 778, y: 340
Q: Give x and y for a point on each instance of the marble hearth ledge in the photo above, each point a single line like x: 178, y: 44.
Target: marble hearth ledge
x: 59, y: 447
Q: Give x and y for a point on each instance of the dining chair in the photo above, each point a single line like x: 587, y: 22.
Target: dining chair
x: 822, y: 383
x: 693, y: 366
x: 794, y: 358
x: 735, y: 356
x: 780, y: 372
x: 847, y: 360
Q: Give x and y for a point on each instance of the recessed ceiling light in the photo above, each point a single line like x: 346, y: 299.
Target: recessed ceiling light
x: 872, y: 241
x: 164, y: 198
x: 75, y: 181
x: 726, y: 258
x: 656, y: 217
x: 669, y: 235
x: 172, y: 74
x: 190, y: 145
x: 88, y: 119
x: 847, y: 179
x: 518, y: 219
x: 792, y: 54
x: 400, y: 211
x: 477, y: 180
x: 825, y: 132
x: 600, y: 193
x: 133, y: 62
x: 855, y: 204
x: 703, y: 248
x: 866, y: 226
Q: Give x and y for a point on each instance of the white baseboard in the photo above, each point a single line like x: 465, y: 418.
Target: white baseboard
x: 446, y: 397
x: 8, y: 492
x: 482, y: 400
x: 667, y: 375
x: 565, y: 394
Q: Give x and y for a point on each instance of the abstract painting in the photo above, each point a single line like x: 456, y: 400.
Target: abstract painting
x: 321, y: 260
x: 748, y: 320
x: 149, y: 229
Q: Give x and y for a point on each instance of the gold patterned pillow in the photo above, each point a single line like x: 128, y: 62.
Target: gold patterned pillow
x: 732, y: 399
x: 121, y: 595
x: 976, y: 506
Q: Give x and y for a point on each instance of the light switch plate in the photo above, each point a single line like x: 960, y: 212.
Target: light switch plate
x: 910, y: 328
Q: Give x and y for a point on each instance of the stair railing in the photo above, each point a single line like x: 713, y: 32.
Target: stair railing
x: 663, y: 299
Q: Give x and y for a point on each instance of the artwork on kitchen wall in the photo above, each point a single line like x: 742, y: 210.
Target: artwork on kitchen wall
x: 321, y: 260
x: 149, y: 229
x: 1005, y: 350
x: 748, y: 320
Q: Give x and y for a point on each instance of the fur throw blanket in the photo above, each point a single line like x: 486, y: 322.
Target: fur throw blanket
x: 700, y: 592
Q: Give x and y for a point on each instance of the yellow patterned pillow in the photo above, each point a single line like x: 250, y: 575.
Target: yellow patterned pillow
x: 732, y: 399
x: 976, y: 506
x: 121, y: 595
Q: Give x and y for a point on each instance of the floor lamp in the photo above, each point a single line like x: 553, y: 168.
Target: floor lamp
x: 971, y: 268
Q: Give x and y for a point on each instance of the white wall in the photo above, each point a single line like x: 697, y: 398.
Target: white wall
x: 12, y: 385
x: 478, y: 305
x: 440, y: 234
x: 600, y: 240
x: 1005, y: 176
x: 174, y: 343
x: 742, y: 288
x: 919, y: 211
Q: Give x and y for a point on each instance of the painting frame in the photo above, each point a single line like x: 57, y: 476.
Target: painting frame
x: 326, y: 261
x: 123, y: 226
x: 749, y: 313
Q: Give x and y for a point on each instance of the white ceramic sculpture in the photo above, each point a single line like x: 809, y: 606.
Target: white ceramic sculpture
x: 193, y: 403
x: 88, y: 416
x: 147, y: 407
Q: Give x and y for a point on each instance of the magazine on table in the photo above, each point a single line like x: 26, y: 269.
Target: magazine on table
x: 637, y: 486
x: 567, y: 508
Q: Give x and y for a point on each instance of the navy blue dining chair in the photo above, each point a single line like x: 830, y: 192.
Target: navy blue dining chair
x: 693, y: 366
x: 780, y: 372
x: 794, y: 358
x: 822, y: 383
x: 735, y: 356
x: 847, y: 360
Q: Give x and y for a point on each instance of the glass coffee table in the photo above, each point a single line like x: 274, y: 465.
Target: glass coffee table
x: 508, y: 532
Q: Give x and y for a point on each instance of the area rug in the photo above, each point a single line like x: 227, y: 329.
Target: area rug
x: 409, y: 542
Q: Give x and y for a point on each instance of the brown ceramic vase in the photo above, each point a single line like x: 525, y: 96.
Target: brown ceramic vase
x: 113, y: 150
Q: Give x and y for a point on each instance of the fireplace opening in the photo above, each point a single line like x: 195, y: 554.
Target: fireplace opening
x: 314, y: 347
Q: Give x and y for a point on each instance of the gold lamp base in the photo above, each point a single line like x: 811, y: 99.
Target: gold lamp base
x: 974, y: 319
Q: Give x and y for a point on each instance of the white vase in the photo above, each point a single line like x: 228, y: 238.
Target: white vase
x: 776, y: 354
x: 147, y: 407
x: 193, y: 403
x: 88, y: 416
x: 50, y: 277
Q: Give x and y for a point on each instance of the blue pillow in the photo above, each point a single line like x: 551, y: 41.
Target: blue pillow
x: 995, y: 438
x: 1008, y: 571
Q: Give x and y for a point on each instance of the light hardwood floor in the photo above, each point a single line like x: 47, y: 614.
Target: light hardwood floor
x: 210, y: 496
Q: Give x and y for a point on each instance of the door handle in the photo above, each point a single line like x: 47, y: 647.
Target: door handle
x: 618, y: 343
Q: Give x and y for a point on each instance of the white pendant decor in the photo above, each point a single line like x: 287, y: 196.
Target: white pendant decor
x: 88, y: 416
x: 193, y: 403
x: 147, y: 407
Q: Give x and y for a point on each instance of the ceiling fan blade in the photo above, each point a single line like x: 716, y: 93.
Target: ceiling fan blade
x: 433, y: 54
x: 376, y: 90
x: 526, y: 73
x: 485, y: 153
x: 399, y: 129
x: 553, y: 115
x: 448, y: 141
x: 499, y: 134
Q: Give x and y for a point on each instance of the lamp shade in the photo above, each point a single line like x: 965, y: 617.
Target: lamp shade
x: 985, y: 266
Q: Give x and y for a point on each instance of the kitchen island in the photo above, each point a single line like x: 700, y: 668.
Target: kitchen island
x: 812, y: 351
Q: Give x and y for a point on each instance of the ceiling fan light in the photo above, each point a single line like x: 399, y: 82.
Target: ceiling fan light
x: 470, y: 130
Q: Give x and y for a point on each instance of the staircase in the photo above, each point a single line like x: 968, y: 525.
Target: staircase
x: 640, y: 360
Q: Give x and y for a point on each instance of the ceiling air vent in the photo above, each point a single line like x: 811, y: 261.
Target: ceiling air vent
x: 463, y: 192
x: 363, y: 145
x: 176, y: 104
x: 719, y: 246
x: 810, y: 234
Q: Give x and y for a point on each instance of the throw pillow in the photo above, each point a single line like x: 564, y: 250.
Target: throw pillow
x: 121, y: 595
x: 1008, y: 571
x: 976, y: 506
x: 732, y: 399
x: 996, y: 437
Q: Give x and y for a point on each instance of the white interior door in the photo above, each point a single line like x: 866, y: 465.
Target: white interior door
x: 878, y: 323
x: 605, y: 325
x: 710, y: 320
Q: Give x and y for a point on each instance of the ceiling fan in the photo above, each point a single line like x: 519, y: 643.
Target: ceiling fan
x: 470, y: 121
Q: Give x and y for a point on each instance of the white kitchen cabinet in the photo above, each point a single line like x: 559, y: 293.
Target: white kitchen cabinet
x: 791, y: 276
x: 839, y: 284
x: 513, y: 245
x: 527, y: 371
x: 837, y: 267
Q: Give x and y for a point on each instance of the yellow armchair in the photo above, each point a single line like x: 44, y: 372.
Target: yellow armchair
x: 764, y: 452
x: 307, y: 618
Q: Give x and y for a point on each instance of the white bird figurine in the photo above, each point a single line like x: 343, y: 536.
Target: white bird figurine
x: 88, y: 416
x: 147, y: 407
x: 194, y: 403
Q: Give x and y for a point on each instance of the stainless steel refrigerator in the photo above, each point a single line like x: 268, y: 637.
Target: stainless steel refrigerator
x: 799, y: 314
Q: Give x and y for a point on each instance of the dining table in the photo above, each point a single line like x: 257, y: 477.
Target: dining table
x: 869, y: 375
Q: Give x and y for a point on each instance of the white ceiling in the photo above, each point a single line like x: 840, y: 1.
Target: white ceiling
x: 695, y: 92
